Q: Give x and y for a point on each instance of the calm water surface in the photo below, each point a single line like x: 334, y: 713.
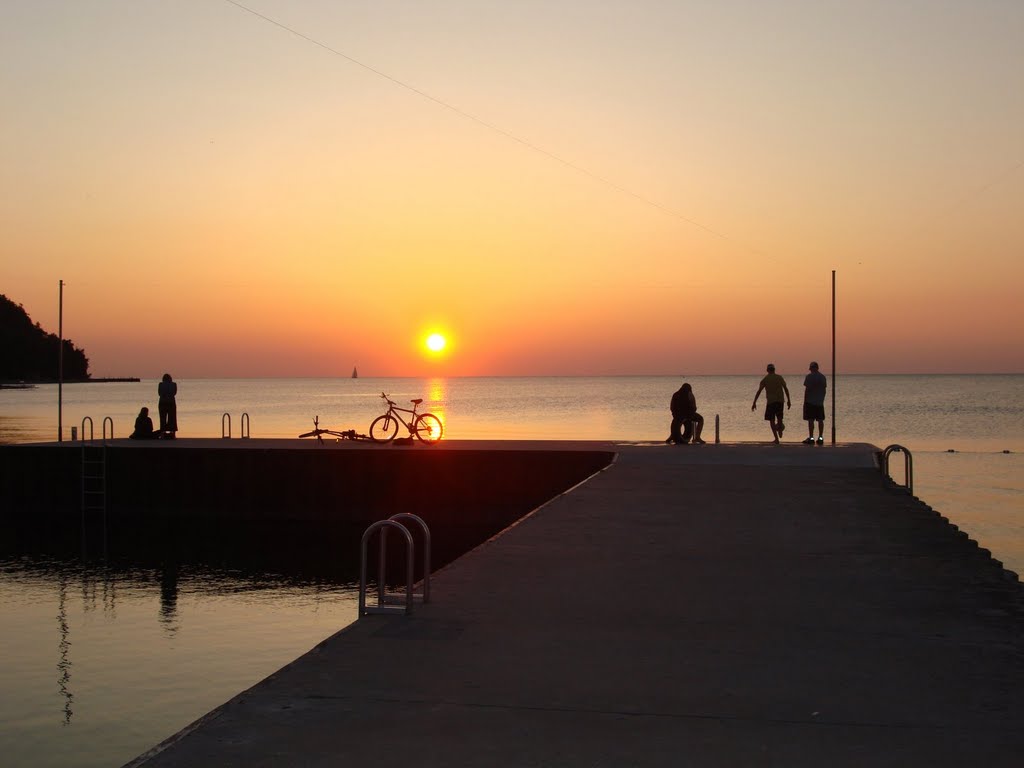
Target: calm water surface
x: 102, y: 663
x: 108, y: 659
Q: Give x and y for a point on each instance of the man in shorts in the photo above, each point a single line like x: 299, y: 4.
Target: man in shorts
x: 814, y: 404
x: 775, y: 393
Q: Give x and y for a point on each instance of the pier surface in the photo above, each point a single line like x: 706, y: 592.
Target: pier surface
x: 730, y: 605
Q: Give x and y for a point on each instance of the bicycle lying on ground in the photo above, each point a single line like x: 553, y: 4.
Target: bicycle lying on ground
x: 348, y: 434
x: 424, y: 426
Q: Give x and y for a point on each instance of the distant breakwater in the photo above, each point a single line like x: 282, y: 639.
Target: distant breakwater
x: 34, y: 384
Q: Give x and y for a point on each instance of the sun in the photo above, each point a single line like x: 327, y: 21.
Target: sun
x: 436, y: 342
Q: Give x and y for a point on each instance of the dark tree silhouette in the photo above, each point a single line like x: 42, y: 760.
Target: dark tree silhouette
x: 28, y: 353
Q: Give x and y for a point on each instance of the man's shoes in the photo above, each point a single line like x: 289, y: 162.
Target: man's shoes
x: 809, y: 441
x: 698, y: 441
x: 821, y: 441
x: 782, y: 428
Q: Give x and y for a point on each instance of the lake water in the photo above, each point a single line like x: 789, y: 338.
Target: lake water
x: 104, y: 658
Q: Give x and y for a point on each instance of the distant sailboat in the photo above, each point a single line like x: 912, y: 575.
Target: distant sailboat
x: 355, y: 373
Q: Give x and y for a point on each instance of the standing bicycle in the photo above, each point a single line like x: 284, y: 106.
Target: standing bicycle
x: 425, y: 426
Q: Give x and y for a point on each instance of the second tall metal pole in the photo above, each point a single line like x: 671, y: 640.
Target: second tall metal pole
x: 833, y: 358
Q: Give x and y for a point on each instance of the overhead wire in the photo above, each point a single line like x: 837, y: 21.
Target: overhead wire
x: 547, y: 153
x: 980, y: 189
x: 490, y: 126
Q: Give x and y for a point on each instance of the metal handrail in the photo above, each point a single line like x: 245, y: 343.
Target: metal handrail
x: 245, y: 426
x: 365, y: 609
x: 228, y: 433
x: 105, y: 420
x: 425, y: 597
x: 908, y: 466
x: 92, y: 435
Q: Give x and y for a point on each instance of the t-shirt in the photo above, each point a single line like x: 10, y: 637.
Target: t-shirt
x: 774, y: 388
x: 814, y: 388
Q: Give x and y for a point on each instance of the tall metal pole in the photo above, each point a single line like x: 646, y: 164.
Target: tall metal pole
x: 60, y: 367
x: 833, y: 358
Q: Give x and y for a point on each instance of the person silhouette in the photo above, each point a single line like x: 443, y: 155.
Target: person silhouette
x: 678, y: 406
x: 144, y: 426
x: 167, y: 389
x: 774, y: 386
x: 685, y: 417
x: 693, y: 421
x: 815, y: 386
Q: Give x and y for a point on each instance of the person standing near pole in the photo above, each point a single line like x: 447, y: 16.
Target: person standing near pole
x: 775, y: 393
x: 815, y: 386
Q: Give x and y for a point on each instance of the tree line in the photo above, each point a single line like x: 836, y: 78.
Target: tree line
x: 28, y: 353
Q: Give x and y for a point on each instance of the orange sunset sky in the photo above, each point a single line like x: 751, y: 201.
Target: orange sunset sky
x: 293, y: 188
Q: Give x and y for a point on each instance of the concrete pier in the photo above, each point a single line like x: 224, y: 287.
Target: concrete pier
x: 732, y: 605
x: 308, y: 494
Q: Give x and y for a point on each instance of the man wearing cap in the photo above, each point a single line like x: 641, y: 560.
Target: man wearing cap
x: 775, y: 392
x: 814, y: 404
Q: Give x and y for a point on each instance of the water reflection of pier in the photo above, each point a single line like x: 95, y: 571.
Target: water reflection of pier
x: 90, y: 570
x: 64, y: 649
x: 98, y: 590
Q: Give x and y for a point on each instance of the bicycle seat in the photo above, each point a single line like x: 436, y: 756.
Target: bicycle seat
x: 417, y: 401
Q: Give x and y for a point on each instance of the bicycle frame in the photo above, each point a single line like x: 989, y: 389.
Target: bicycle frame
x: 425, y: 427
x: 348, y: 434
x: 393, y: 411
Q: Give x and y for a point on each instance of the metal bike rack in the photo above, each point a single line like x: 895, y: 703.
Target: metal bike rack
x: 245, y: 426
x: 425, y: 596
x: 225, y: 418
x: 908, y: 465
x: 91, y: 434
x: 364, y: 609
x: 105, y: 420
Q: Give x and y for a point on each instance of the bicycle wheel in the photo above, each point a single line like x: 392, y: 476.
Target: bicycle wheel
x: 384, y: 428
x: 428, y: 428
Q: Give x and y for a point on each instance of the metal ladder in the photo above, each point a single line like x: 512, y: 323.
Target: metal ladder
x: 387, y: 603
x: 94, y: 479
x: 908, y: 466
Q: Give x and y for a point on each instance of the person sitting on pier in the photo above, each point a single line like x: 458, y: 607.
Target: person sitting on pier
x: 144, y: 427
x: 693, y: 422
x: 677, y: 406
x: 685, y: 417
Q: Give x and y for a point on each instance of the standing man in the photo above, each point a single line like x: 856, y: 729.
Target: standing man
x: 775, y: 392
x: 814, y: 404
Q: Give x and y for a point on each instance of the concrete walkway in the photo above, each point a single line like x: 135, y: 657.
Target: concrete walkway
x: 688, y: 606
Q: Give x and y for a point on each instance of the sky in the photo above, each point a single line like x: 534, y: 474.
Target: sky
x: 275, y: 188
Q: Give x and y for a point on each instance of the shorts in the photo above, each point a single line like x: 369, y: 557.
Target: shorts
x: 771, y: 410
x: 814, y: 412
